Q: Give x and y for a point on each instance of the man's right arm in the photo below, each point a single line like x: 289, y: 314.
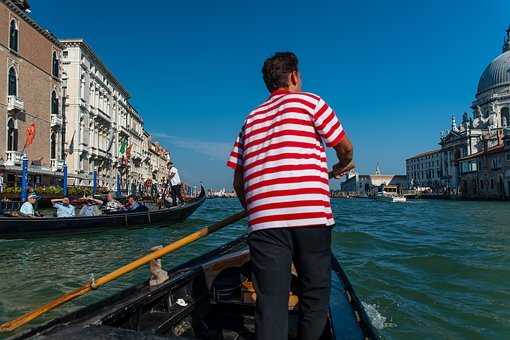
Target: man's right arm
x: 344, y: 151
x: 239, y: 186
x: 235, y: 162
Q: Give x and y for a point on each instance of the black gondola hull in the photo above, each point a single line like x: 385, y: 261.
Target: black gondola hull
x: 143, y: 312
x: 22, y: 227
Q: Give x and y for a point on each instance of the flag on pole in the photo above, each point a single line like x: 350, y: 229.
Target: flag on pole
x: 110, y: 143
x: 30, y: 135
x: 123, y: 145
x: 70, y: 148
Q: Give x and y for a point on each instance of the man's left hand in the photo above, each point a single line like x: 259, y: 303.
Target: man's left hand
x: 340, y: 169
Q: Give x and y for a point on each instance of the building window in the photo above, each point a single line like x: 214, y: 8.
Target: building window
x: 12, y: 136
x: 82, y: 88
x: 54, y: 103
x: 13, y: 82
x: 65, y: 54
x: 13, y: 36
x: 53, y: 149
x: 55, y: 64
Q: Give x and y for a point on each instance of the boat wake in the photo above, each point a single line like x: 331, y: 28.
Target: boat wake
x: 378, y: 320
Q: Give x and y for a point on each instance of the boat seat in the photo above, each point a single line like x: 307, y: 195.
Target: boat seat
x: 249, y: 296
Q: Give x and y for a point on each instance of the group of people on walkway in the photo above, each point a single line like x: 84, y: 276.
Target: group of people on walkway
x: 90, y: 206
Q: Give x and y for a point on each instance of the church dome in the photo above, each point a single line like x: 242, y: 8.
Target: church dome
x: 496, y: 74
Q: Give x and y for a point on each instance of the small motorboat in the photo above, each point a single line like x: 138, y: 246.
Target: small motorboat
x: 390, y: 193
x: 209, y: 297
x: 26, y: 227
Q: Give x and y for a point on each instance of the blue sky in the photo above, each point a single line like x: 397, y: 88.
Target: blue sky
x: 395, y: 71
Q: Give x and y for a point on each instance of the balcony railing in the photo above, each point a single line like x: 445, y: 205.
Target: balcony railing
x: 13, y: 158
x: 15, y: 103
x: 56, y: 120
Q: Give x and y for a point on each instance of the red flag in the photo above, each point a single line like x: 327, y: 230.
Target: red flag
x: 30, y: 135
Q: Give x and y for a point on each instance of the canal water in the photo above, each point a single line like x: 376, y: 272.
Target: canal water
x: 423, y: 269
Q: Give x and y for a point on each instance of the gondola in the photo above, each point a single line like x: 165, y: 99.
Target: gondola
x: 209, y: 297
x: 23, y: 227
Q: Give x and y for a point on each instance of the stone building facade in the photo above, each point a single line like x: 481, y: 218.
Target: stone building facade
x: 424, y: 170
x: 104, y: 132
x: 30, y: 96
x: 486, y: 174
x: 94, y: 108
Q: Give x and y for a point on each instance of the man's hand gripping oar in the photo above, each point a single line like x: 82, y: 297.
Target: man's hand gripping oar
x: 340, y: 169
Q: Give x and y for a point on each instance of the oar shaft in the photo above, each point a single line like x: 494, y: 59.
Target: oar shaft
x: 167, y: 249
x: 24, y: 319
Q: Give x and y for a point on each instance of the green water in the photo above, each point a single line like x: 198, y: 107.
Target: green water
x: 423, y: 269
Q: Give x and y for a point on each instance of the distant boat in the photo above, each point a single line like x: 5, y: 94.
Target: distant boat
x: 26, y: 227
x: 390, y: 194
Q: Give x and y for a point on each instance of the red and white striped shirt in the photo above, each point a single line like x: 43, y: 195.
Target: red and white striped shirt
x: 283, y: 160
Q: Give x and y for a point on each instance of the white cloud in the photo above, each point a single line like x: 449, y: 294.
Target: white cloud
x: 214, y: 150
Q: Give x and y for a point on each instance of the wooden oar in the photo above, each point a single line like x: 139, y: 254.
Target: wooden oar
x: 22, y: 320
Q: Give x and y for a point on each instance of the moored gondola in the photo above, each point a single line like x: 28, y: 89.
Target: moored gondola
x: 23, y: 227
x: 209, y: 297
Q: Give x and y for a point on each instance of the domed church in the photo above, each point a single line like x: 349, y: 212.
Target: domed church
x: 474, y: 158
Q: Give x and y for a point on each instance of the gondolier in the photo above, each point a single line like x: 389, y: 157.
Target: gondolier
x: 175, y: 183
x: 281, y: 178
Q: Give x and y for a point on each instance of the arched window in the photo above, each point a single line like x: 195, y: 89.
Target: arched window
x: 54, y: 103
x: 55, y: 64
x: 12, y: 136
x: 13, y: 82
x: 13, y: 36
x: 53, y: 148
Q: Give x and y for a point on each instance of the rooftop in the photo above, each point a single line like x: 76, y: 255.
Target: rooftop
x: 426, y: 153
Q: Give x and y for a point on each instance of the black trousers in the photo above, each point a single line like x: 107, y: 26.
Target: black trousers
x: 272, y: 252
x: 176, y: 193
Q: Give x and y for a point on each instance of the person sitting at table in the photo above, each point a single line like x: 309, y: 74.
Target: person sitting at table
x: 27, y: 209
x: 89, y: 207
x: 64, y: 208
x: 111, y: 205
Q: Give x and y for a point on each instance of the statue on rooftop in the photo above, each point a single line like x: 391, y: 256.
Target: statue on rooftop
x: 478, y: 111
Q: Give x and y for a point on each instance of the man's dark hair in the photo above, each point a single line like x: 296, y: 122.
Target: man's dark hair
x: 133, y: 197
x: 276, y: 70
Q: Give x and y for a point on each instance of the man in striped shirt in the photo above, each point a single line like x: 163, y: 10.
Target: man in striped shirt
x: 281, y: 179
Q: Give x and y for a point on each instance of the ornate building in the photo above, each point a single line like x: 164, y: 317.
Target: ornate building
x: 96, y: 112
x: 474, y: 162
x: 104, y: 132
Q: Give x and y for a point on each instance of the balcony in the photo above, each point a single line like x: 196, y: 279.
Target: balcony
x: 15, y: 103
x: 56, y: 120
x: 56, y: 164
x: 103, y: 114
x: 13, y: 158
